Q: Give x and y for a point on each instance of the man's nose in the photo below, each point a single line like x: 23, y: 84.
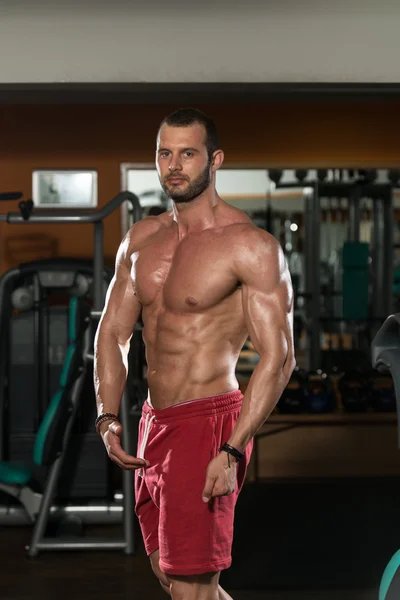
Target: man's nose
x: 175, y: 164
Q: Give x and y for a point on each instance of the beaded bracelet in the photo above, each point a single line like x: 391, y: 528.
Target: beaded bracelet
x: 102, y: 418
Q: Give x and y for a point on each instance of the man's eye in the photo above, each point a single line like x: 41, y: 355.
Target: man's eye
x: 164, y: 154
x: 189, y: 153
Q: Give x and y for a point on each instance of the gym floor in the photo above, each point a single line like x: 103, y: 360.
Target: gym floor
x: 316, y: 540
x: 109, y: 575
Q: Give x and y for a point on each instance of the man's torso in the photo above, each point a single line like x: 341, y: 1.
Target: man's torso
x: 192, y: 311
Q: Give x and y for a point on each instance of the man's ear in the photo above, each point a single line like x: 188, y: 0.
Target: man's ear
x: 217, y: 160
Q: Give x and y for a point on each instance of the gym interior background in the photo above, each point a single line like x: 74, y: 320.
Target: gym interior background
x: 313, y: 162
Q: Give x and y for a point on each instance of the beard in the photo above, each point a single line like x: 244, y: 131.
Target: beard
x: 192, y: 191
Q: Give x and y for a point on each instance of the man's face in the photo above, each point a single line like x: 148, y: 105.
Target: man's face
x: 183, y: 166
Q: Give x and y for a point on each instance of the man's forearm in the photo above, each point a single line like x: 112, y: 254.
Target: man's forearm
x: 265, y: 387
x: 110, y: 372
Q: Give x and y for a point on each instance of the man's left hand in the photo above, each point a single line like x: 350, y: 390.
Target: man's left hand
x: 220, y: 477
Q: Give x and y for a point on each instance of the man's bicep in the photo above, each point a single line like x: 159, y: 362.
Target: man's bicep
x: 268, y: 318
x: 268, y: 299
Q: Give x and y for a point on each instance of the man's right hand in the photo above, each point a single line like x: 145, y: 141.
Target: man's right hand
x: 110, y: 432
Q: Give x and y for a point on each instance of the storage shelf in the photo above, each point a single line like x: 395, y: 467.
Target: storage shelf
x: 335, y: 418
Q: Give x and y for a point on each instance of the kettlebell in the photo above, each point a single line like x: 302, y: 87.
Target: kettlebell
x: 320, y: 397
x: 354, y: 391
x: 294, y: 397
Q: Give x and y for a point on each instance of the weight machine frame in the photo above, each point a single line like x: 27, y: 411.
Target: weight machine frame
x: 38, y: 542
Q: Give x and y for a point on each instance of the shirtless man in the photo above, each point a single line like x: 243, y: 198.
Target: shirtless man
x: 204, y: 278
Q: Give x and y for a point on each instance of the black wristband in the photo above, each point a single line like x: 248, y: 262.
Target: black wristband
x: 232, y: 451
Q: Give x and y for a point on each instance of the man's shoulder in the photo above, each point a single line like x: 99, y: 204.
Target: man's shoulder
x: 141, y: 232
x: 248, y: 234
x: 254, y: 250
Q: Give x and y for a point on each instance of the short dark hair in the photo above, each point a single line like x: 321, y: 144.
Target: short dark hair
x: 185, y: 117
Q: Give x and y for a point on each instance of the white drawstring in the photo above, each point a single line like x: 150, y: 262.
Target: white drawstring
x: 147, y: 426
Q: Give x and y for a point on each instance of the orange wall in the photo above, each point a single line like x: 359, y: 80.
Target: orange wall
x: 102, y: 137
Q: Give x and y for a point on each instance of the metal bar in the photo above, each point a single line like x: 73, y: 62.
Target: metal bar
x: 5, y: 355
x: 382, y: 256
x: 43, y: 357
x: 388, y: 221
x: 76, y: 216
x: 308, y: 267
x: 87, y: 544
x: 42, y: 518
x: 11, y: 515
x: 38, y: 352
x: 354, y: 215
x: 128, y: 478
x: 312, y: 273
x: 98, y: 266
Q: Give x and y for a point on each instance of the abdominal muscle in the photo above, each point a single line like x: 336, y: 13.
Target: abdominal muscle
x: 190, y: 358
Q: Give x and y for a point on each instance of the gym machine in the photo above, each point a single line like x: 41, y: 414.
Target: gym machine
x: 51, y: 450
x: 343, y: 285
x: 355, y: 256
x: 385, y: 351
x: 35, y: 332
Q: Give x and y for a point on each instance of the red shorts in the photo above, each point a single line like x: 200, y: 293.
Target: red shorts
x: 193, y: 537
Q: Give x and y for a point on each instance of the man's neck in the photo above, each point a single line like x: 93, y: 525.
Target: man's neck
x: 197, y: 215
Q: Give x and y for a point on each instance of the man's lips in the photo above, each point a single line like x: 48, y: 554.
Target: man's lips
x: 175, y: 179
